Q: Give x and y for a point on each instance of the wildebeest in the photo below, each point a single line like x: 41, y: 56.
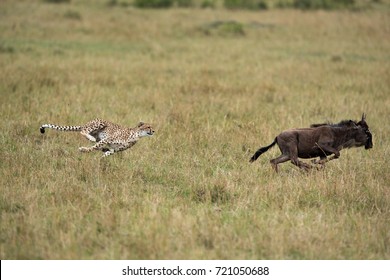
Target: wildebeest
x: 320, y: 140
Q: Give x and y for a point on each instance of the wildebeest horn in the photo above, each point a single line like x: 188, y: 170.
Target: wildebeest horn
x: 363, y: 117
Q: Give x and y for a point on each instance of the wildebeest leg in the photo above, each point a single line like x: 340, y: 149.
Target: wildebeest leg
x: 319, y: 164
x: 300, y: 164
x: 293, y: 152
x: 329, y: 150
x: 325, y: 160
x: 282, y: 158
x: 316, y: 161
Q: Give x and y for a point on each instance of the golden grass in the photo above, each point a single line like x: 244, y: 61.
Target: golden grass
x: 215, y: 96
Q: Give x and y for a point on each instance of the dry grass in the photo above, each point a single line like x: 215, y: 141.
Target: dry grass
x: 215, y: 95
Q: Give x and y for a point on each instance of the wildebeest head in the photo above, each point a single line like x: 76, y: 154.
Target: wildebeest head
x: 363, y: 126
x: 363, y: 136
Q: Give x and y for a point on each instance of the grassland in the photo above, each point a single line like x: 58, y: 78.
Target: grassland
x: 217, y: 85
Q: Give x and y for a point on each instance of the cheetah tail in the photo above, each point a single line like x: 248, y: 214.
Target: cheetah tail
x: 57, y: 127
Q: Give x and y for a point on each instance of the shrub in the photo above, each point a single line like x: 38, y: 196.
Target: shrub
x: 207, y: 4
x: 246, y: 4
x: 284, y: 4
x: 112, y: 3
x: 123, y: 3
x: 57, y: 1
x: 153, y: 3
x: 322, y: 4
x: 184, y: 3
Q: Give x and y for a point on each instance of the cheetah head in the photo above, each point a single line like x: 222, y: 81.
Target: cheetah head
x: 145, y: 129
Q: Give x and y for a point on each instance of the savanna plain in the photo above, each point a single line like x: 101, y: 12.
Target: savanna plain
x: 217, y: 85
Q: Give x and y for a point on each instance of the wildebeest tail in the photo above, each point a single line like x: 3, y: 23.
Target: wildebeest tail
x: 262, y: 150
x: 58, y: 127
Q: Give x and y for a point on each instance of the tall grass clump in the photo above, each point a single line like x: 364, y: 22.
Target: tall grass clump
x: 72, y: 14
x: 223, y: 28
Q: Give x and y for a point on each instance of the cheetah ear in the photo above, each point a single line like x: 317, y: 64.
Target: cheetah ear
x: 140, y: 124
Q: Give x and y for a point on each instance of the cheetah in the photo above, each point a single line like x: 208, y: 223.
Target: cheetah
x: 109, y: 137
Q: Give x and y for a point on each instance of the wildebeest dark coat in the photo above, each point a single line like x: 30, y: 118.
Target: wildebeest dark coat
x: 320, y: 140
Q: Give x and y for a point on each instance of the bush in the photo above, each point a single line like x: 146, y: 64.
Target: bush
x: 184, y: 3
x: 57, y: 1
x: 207, y: 4
x: 112, y: 3
x: 282, y: 4
x: 246, y: 4
x: 153, y: 3
x: 322, y: 4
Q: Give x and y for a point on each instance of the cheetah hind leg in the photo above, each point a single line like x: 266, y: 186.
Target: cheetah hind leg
x: 88, y: 136
x: 98, y: 146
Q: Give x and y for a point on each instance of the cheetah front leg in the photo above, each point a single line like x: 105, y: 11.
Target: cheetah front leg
x: 108, y: 152
x: 117, y: 148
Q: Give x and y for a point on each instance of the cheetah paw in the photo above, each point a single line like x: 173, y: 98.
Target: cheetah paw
x: 83, y: 149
